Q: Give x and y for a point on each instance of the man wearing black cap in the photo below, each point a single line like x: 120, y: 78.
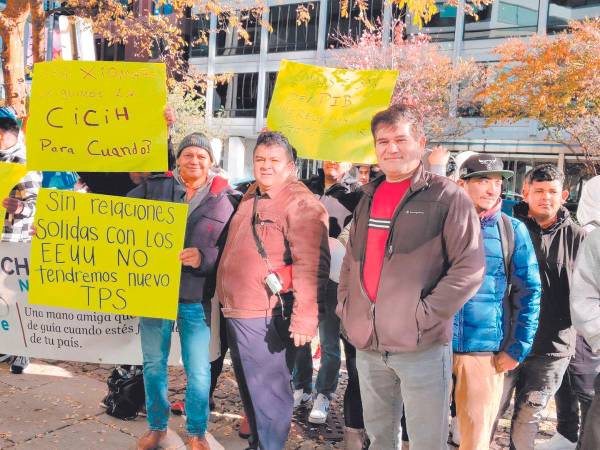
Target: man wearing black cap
x: 494, y: 330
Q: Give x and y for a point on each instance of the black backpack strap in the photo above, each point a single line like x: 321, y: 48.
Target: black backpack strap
x: 507, y: 239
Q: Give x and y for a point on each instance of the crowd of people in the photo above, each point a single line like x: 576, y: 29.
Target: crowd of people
x: 446, y: 308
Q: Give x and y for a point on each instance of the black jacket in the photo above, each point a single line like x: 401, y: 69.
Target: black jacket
x: 206, y: 230
x: 339, y: 200
x: 556, y: 248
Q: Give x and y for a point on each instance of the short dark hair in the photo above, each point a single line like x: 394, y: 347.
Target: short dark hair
x: 8, y: 125
x: 546, y: 172
x: 395, y: 114
x: 275, y: 138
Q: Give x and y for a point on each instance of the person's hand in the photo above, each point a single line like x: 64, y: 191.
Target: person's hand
x: 190, y: 257
x: 504, y: 363
x: 169, y: 115
x: 13, y: 205
x: 439, y: 156
x: 300, y: 339
x: 80, y: 186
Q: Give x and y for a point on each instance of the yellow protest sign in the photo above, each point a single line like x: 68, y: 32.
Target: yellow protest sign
x: 107, y: 254
x: 97, y: 116
x: 326, y: 113
x: 10, y: 175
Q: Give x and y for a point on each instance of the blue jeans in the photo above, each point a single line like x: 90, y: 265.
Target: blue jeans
x: 194, y: 335
x: 419, y: 381
x: 329, y: 336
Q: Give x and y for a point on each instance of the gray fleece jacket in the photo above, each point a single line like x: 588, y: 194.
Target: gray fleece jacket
x: 585, y: 291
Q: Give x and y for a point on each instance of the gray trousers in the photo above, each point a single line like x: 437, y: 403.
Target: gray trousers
x: 591, y: 434
x: 421, y: 381
x: 263, y: 356
x: 534, y: 383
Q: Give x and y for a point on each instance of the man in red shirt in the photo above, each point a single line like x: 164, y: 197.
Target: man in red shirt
x: 414, y: 257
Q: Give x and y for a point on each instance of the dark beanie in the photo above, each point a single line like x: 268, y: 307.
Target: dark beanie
x: 196, y: 140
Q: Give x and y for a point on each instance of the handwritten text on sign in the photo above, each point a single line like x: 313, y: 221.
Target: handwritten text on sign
x: 326, y: 113
x: 59, y: 333
x: 107, y: 254
x: 97, y: 116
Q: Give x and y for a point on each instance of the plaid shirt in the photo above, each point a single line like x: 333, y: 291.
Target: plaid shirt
x: 17, y: 227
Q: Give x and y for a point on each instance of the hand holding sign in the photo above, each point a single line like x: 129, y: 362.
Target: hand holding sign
x: 108, y: 254
x: 10, y: 174
x: 191, y: 257
x: 13, y: 205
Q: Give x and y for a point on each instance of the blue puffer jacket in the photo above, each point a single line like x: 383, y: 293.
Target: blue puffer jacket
x: 489, y: 322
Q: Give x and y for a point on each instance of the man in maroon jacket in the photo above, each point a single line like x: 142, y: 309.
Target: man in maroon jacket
x: 277, y: 237
x: 413, y: 259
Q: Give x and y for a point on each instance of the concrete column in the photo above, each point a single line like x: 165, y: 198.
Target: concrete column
x: 543, y: 16
x: 561, y: 161
x: 210, y: 69
x: 387, y: 23
x: 456, y: 51
x: 322, y: 30
x: 234, y: 157
x: 262, y: 76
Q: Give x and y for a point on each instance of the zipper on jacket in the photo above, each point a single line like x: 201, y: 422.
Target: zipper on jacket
x: 374, y: 328
x: 460, y: 330
x: 389, y: 246
x: 362, y: 288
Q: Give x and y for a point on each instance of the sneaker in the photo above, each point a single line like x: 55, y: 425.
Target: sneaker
x: 301, y: 398
x: 454, y: 432
x: 556, y: 442
x: 142, y: 412
x: 320, y: 410
x: 6, y: 358
x: 19, y: 364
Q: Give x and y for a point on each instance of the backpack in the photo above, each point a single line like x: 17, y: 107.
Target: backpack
x: 507, y: 239
x: 126, y: 395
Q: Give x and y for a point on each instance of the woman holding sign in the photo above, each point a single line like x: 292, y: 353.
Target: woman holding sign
x: 211, y: 203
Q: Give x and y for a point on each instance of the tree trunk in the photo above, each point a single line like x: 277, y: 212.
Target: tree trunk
x: 38, y: 30
x: 12, y: 31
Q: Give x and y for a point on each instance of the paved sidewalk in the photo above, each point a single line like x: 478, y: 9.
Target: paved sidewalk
x: 55, y: 405
x: 51, y: 408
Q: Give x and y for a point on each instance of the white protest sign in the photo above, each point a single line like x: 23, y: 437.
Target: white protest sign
x: 60, y: 333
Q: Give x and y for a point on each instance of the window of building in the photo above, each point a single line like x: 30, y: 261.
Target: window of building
x: 441, y: 27
x: 351, y: 26
x: 287, y: 35
x: 237, y: 97
x: 161, y: 8
x: 269, y: 88
x: 228, y: 40
x: 199, y: 26
x: 503, y: 19
x: 106, y: 52
x: 560, y: 12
